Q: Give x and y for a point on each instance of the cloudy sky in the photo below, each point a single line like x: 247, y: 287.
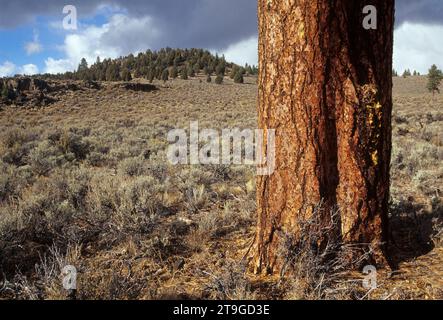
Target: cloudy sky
x: 33, y: 39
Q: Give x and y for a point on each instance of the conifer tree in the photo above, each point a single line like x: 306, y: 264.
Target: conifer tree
x: 165, y: 75
x: 83, y: 66
x: 126, y: 75
x: 234, y: 72
x: 238, y: 78
x: 435, y: 76
x: 219, y: 79
x: 173, y: 72
x: 196, y: 68
x: 150, y: 76
x: 184, y: 73
x: 407, y: 73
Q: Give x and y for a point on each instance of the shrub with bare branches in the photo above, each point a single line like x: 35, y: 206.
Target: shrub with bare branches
x: 317, y: 261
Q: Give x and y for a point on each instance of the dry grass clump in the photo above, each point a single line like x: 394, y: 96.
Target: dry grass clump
x: 15, y: 145
x: 46, y: 281
x: 230, y: 282
x: 50, y: 208
x: 13, y: 181
x: 317, y: 263
x: 437, y: 238
x: 437, y: 222
x: 133, y: 166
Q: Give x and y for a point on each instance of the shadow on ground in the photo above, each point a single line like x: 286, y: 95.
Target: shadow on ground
x: 411, y: 230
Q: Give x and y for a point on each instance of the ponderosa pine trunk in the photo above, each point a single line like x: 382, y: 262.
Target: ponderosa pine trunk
x: 325, y: 86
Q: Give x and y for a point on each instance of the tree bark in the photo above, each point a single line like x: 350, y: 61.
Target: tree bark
x: 325, y: 86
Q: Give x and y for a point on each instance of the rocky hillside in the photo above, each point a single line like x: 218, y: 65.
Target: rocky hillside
x: 34, y: 92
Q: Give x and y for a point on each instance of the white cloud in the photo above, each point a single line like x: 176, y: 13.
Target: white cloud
x: 34, y: 46
x: 417, y: 47
x: 28, y: 69
x: 120, y: 36
x: 243, y: 52
x: 7, y: 69
x: 58, y: 66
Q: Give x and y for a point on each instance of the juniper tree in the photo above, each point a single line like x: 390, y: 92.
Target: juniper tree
x: 112, y: 72
x: 184, y: 73
x: 83, y: 66
x: 165, y: 75
x: 191, y: 72
x: 196, y: 68
x: 220, y: 69
x: 234, y: 72
x: 238, y: 77
x: 248, y: 69
x: 158, y: 72
x: 211, y: 68
x: 406, y: 73
x: 173, y: 72
x: 83, y: 73
x: 435, y: 76
x: 219, y: 79
x: 137, y: 72
x: 151, y: 75
x: 126, y: 75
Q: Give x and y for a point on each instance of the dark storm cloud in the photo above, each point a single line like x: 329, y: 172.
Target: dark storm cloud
x: 193, y: 23
x: 422, y: 11
x: 183, y: 23
x: 18, y: 12
x: 199, y: 23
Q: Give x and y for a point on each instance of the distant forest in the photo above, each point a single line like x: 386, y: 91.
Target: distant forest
x: 162, y: 65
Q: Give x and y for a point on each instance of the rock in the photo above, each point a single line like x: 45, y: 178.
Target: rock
x: 33, y: 92
x: 91, y: 85
x: 21, y: 99
x: 18, y: 84
x: 27, y: 92
x: 72, y: 87
x: 40, y: 85
x: 26, y: 84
